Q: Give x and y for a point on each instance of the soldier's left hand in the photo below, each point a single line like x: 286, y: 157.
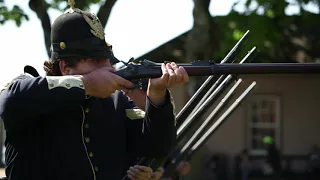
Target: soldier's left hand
x: 157, y: 175
x: 172, y: 75
x: 183, y: 168
x: 139, y: 173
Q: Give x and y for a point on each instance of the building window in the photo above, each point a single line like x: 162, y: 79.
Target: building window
x: 264, y: 120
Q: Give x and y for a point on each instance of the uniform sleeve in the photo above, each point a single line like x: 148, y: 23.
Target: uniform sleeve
x: 155, y: 134
x: 27, y: 97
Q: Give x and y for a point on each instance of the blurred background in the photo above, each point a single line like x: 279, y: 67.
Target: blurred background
x: 285, y: 107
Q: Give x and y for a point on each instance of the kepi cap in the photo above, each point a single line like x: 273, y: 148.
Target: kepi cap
x: 78, y: 34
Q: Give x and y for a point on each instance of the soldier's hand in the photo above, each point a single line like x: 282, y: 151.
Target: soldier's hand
x: 171, y: 75
x: 139, y: 173
x: 103, y: 82
x: 157, y: 175
x: 183, y: 168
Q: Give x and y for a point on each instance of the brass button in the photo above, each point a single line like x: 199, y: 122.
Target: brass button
x: 86, y: 126
x: 62, y: 45
x: 90, y: 154
x: 96, y: 168
x: 81, y: 85
x: 67, y: 85
x: 87, y: 140
x: 87, y: 110
x: 51, y: 84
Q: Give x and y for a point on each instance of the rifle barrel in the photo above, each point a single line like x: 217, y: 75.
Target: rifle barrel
x: 206, y: 69
x: 222, y: 76
x: 255, y: 68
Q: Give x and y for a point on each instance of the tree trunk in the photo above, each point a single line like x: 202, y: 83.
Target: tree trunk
x: 105, y: 11
x: 41, y: 9
x: 203, y: 38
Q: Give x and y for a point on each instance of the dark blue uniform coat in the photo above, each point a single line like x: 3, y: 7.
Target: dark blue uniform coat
x: 54, y: 131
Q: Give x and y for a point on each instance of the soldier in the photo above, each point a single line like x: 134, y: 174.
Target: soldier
x: 75, y: 122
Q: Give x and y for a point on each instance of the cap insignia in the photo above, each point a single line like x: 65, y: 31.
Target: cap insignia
x: 96, y: 27
x: 93, y: 21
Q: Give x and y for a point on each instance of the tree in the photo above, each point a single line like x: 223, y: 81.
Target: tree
x: 203, y: 38
x: 271, y: 31
x: 41, y: 7
x: 278, y: 36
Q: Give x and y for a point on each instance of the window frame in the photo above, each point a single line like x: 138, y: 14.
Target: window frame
x: 250, y: 124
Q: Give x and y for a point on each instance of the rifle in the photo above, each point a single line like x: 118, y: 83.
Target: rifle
x: 170, y: 165
x: 250, y: 54
x: 202, y: 105
x: 211, y: 81
x: 189, y: 150
x: 218, y: 88
x: 147, y: 69
x: 138, y: 70
x: 210, y: 85
x: 212, y: 114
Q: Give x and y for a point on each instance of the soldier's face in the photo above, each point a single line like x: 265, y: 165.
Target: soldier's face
x: 86, y: 66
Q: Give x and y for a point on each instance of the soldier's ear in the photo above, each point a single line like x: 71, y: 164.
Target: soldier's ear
x: 65, y: 70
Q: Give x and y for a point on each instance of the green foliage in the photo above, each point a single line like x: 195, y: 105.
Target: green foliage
x: 16, y: 14
x: 267, y: 23
x: 267, y: 27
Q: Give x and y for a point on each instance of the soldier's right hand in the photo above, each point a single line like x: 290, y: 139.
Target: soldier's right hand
x: 103, y: 82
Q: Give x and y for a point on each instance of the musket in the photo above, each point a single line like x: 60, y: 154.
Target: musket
x: 250, y: 54
x: 190, y: 149
x: 170, y: 165
x: 214, y: 112
x: 156, y: 163
x: 217, y: 91
x: 209, y: 100
x: 204, y: 125
x: 218, y: 88
x: 208, y: 86
x: 148, y: 69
